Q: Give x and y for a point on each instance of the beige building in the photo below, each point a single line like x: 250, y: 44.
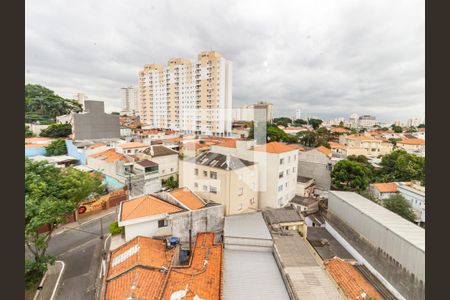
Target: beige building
x: 247, y: 112
x: 130, y: 101
x: 193, y: 98
x: 415, y: 146
x: 365, y: 145
x: 223, y: 179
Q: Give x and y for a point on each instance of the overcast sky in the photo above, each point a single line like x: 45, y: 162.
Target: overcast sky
x: 328, y: 58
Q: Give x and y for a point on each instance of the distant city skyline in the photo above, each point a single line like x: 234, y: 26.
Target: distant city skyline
x: 326, y: 58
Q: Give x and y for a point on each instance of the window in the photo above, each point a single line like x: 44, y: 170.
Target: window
x: 281, y: 161
x: 293, y: 169
x: 240, y: 206
x: 171, y: 169
x: 196, y: 171
x: 162, y: 223
x: 213, y: 189
x: 289, y: 159
x: 205, y: 188
x: 196, y: 184
x: 280, y: 175
x: 213, y: 175
x: 287, y: 172
x: 280, y: 188
x: 240, y: 191
x: 295, y: 157
x: 205, y: 173
x: 252, y: 200
x: 286, y: 184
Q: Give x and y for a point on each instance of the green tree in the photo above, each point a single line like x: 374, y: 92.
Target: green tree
x: 283, y: 121
x: 114, y: 228
x: 308, y: 138
x: 28, y: 132
x: 300, y: 122
x: 394, y: 141
x: 384, y: 129
x: 341, y: 124
x: 397, y: 129
x: 50, y: 194
x: 402, y: 166
x: 290, y: 139
x: 315, y: 123
x: 170, y: 183
x: 421, y: 126
x: 57, y: 147
x: 274, y: 134
x: 399, y: 205
x: 57, y: 130
x: 411, y: 129
x: 350, y: 175
x: 43, y: 105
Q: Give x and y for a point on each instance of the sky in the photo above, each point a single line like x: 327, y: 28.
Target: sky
x: 328, y: 58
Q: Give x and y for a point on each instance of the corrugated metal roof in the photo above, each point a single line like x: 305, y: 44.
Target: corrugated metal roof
x: 252, y: 275
x: 400, y: 226
x: 250, y: 225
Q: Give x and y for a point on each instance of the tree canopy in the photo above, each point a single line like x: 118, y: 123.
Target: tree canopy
x: 57, y: 147
x: 57, y: 130
x: 350, y: 175
x: 300, y: 122
x: 315, y: 123
x: 50, y: 194
x: 402, y: 166
x: 399, y: 205
x: 421, y: 126
x: 28, y: 132
x: 43, y: 105
x: 283, y: 121
x: 397, y: 129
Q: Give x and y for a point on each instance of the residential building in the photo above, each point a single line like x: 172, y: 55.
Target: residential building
x: 277, y: 169
x: 294, y: 130
x: 251, y: 112
x: 93, y: 123
x: 305, y: 186
x: 415, y: 194
x: 179, y: 213
x: 80, y: 98
x: 360, y: 144
x: 383, y: 191
x: 188, y: 97
x: 131, y: 148
x: 305, y: 205
x: 316, y: 164
x: 166, y: 158
x: 130, y: 101
x: 285, y: 219
x: 146, y: 268
x: 390, y: 246
x: 414, y: 146
x: 298, y: 114
x: 35, y: 146
x: 367, y: 121
x: 224, y: 179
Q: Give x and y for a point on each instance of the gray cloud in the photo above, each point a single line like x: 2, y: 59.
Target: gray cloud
x: 329, y: 58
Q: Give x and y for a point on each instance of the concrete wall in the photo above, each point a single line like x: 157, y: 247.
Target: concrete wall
x: 72, y: 150
x: 95, y: 123
x: 317, y: 170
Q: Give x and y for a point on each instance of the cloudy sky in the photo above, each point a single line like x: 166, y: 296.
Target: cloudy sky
x: 328, y: 58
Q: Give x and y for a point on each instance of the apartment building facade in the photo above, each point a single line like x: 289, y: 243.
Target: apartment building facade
x: 130, y: 100
x: 193, y: 98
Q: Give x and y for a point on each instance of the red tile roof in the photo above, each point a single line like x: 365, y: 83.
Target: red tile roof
x: 385, y: 187
x: 354, y: 285
x: 110, y: 156
x: 335, y: 145
x: 338, y: 130
x: 187, y: 198
x: 132, y: 145
x: 145, y: 206
x: 412, y: 142
x: 324, y: 150
x: 274, y: 147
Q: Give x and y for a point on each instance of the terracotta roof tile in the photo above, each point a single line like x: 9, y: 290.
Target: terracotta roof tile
x: 132, y: 145
x: 228, y: 144
x: 351, y: 281
x: 274, y: 147
x: 187, y: 198
x: 203, y: 276
x: 93, y: 146
x: 412, y: 142
x: 110, y: 156
x: 145, y: 206
x: 385, y: 187
x: 336, y: 145
x: 324, y: 150
x: 298, y: 147
x: 338, y: 130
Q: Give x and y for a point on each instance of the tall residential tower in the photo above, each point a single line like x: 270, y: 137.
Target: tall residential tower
x: 188, y: 97
x: 130, y: 100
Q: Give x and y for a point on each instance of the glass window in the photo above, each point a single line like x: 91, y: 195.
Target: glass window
x: 205, y: 188
x: 281, y: 161
x: 196, y: 184
x: 280, y: 188
x: 205, y: 173
x: 213, y: 189
x: 162, y: 223
x: 280, y: 175
x: 196, y: 171
x: 213, y: 175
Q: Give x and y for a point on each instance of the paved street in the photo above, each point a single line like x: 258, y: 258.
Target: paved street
x: 80, y: 249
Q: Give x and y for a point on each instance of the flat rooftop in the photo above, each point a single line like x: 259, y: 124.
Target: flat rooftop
x: 400, y: 226
x: 249, y: 225
x: 252, y: 275
x: 326, y: 245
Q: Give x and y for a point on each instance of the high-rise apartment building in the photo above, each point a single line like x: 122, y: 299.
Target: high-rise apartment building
x: 193, y: 98
x: 130, y: 100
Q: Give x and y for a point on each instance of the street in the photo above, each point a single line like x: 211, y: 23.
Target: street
x: 80, y: 249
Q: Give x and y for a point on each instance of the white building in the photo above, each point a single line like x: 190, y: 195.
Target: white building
x: 188, y: 97
x: 277, y: 169
x: 415, y: 194
x: 252, y: 112
x: 130, y: 100
x: 298, y: 114
x: 80, y: 98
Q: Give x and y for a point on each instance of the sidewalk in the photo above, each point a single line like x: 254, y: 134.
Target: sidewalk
x: 50, y: 281
x: 82, y: 221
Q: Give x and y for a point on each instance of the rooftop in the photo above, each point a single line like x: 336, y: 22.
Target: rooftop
x: 159, y: 150
x: 412, y: 142
x: 326, y: 245
x: 389, y: 187
x: 145, y: 206
x: 324, y: 150
x: 250, y: 225
x: 220, y: 161
x: 274, y: 147
x: 400, y: 226
x: 305, y: 201
x: 132, y: 145
x: 303, y: 179
x: 334, y: 145
x: 338, y: 130
x: 110, y: 156
x: 187, y: 198
x: 354, y: 285
x: 147, y: 163
x: 282, y: 215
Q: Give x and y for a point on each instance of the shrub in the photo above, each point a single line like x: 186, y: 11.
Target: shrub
x: 57, y: 130
x: 115, y: 229
x: 56, y: 148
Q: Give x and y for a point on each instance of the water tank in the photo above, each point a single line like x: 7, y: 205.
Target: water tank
x: 174, y: 240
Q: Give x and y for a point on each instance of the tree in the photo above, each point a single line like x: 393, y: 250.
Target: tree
x: 171, y: 183
x: 116, y: 113
x: 402, y: 166
x: 399, y: 205
x: 43, y: 105
x: 274, y: 134
x: 28, y: 132
x: 341, y: 124
x: 57, y: 130
x: 57, y: 147
x: 421, y: 126
x: 50, y: 194
x: 384, y: 129
x: 308, y: 138
x: 290, y: 139
x: 300, y: 122
x: 396, y: 128
x: 283, y: 121
x: 411, y: 129
x: 350, y: 175
x: 315, y: 123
